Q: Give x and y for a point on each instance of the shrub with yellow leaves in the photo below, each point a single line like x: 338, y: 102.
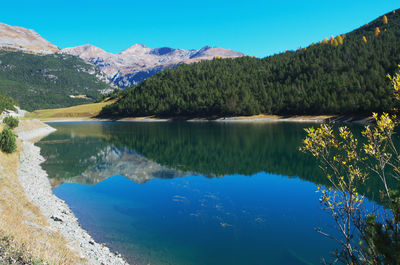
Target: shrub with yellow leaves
x: 366, y: 236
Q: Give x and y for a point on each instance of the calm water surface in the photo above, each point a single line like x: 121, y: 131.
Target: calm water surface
x: 192, y: 193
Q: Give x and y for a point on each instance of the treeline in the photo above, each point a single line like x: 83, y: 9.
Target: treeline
x: 343, y: 74
x: 39, y: 82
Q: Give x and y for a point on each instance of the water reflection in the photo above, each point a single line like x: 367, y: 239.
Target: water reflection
x: 195, y: 217
x: 90, y: 152
x: 204, y: 148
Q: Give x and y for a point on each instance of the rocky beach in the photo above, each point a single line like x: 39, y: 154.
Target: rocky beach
x: 59, y: 216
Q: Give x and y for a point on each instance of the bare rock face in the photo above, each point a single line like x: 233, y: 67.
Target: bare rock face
x: 25, y: 40
x: 139, y: 62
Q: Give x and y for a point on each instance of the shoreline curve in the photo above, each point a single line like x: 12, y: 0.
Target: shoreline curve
x: 36, y: 184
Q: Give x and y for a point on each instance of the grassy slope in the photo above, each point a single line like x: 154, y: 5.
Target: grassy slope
x: 85, y: 111
x: 38, y: 82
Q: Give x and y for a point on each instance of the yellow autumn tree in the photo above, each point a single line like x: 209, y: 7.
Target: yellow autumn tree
x: 385, y: 20
x: 364, y: 39
x: 332, y: 40
x: 325, y: 41
x: 340, y: 40
x: 377, y: 31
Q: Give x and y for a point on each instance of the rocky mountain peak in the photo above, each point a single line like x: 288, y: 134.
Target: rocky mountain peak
x: 86, y: 51
x: 137, y: 49
x: 208, y: 51
x: 25, y: 40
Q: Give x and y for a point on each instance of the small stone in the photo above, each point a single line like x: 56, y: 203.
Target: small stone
x: 56, y: 219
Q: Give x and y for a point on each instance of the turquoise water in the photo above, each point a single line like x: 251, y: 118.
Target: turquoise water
x: 192, y: 193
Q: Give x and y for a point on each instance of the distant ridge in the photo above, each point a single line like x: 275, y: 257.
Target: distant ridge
x: 139, y: 62
x: 37, y: 74
x: 124, y: 69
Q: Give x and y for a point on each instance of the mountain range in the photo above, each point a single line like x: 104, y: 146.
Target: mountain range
x: 36, y: 75
x: 123, y: 69
x: 139, y: 62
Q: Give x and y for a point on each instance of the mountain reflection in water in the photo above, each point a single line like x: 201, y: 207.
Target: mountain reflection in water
x: 93, y: 151
x: 193, y: 193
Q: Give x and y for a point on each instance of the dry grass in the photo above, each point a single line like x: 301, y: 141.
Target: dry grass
x: 86, y: 111
x: 28, y: 125
x: 23, y: 222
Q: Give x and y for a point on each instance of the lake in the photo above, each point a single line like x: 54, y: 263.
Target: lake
x: 193, y: 193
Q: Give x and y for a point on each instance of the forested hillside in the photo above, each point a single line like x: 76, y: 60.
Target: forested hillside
x: 341, y: 74
x: 50, y: 81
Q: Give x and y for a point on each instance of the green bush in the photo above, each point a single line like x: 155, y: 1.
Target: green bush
x: 7, y: 103
x: 8, y: 142
x: 11, y: 121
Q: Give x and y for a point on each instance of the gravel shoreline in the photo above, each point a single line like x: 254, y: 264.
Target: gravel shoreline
x: 60, y: 217
x: 241, y: 119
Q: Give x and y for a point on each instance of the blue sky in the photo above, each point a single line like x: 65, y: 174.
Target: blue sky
x: 259, y: 28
